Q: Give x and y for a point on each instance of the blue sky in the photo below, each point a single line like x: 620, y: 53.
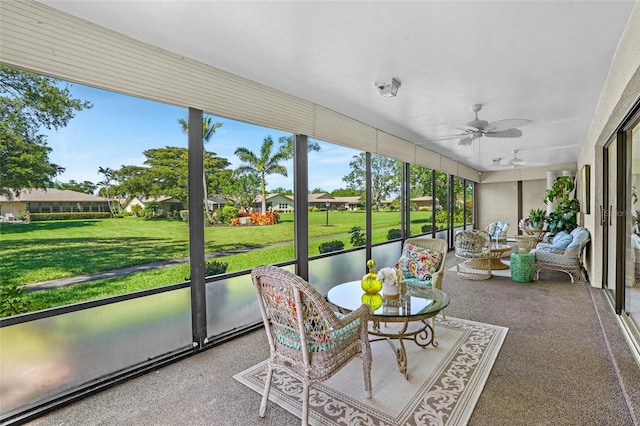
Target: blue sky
x: 119, y: 128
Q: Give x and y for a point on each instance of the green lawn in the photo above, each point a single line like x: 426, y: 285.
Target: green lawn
x: 41, y: 251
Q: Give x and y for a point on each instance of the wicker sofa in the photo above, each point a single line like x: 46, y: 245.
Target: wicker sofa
x: 564, y: 253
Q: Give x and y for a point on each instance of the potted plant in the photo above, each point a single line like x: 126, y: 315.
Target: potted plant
x: 537, y: 218
x: 565, y: 216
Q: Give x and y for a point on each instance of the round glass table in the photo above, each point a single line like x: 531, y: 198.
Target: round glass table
x: 411, y: 309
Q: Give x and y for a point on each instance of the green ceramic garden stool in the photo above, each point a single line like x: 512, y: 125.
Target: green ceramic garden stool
x: 523, y: 266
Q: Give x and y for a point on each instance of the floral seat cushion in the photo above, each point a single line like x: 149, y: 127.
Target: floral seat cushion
x: 318, y: 340
x: 418, y: 262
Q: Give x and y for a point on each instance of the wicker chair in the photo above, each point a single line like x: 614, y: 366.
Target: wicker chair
x: 435, y: 252
x: 568, y: 260
x: 437, y: 247
x: 473, y: 248
x: 307, y: 340
x: 498, y: 231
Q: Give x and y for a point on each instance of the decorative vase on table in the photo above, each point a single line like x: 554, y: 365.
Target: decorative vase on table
x: 390, y: 290
x: 370, y: 283
x: 373, y: 300
x: 390, y: 283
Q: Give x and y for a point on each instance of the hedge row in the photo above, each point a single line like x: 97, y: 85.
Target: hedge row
x: 38, y: 217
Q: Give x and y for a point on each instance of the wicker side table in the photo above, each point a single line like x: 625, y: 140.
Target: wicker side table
x: 523, y: 267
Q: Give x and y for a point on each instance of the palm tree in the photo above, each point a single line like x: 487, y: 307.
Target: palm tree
x: 109, y: 176
x: 208, y: 129
x: 267, y: 163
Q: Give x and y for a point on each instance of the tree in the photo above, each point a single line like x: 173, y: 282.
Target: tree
x: 421, y: 185
x: 346, y: 192
x: 384, y: 176
x: 87, y: 187
x: 282, y: 191
x: 264, y: 164
x: 109, y: 176
x: 208, y: 130
x: 242, y: 189
x: 167, y: 173
x: 30, y: 102
x: 286, y: 146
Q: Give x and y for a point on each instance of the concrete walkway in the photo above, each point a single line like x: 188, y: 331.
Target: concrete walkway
x: 78, y: 279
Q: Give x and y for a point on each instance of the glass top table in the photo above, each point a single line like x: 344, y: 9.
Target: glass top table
x: 411, y: 309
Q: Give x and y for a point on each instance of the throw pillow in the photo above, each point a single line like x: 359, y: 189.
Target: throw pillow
x: 418, y: 262
x: 561, y: 240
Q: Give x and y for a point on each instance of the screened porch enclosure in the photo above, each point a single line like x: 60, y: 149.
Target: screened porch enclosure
x: 60, y: 354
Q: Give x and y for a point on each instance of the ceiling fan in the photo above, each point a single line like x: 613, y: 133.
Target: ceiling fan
x: 477, y: 128
x: 513, y: 162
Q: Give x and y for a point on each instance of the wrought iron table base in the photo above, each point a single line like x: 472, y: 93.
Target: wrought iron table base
x: 423, y: 337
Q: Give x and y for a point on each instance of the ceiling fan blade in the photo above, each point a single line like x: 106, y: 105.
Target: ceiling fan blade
x: 444, y: 138
x: 466, y: 141
x: 509, y: 123
x: 509, y: 133
x: 465, y: 128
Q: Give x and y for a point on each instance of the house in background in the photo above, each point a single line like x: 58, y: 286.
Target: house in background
x: 274, y: 202
x: 349, y: 203
x: 422, y: 203
x: 167, y: 204
x: 216, y: 202
x: 322, y: 200
x: 51, y: 200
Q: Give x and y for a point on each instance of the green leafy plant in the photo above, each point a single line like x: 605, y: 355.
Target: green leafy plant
x: 14, y: 301
x: 136, y: 210
x: 152, y: 210
x: 565, y: 216
x: 228, y: 213
x: 394, y: 234
x: 357, y: 237
x: 330, y: 246
x: 213, y: 267
x: 537, y: 217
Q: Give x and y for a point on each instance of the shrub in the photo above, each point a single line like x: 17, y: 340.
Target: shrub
x: 357, y: 236
x: 136, y: 210
x: 14, y: 301
x: 394, y: 234
x: 40, y: 217
x: 330, y: 246
x: 269, y: 218
x: 426, y: 229
x: 184, y: 215
x: 213, y: 267
x: 228, y: 213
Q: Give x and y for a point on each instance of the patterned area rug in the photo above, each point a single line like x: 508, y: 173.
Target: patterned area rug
x: 444, y: 382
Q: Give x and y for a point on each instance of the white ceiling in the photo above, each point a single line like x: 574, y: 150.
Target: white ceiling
x: 545, y: 61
